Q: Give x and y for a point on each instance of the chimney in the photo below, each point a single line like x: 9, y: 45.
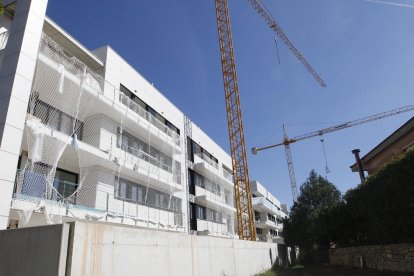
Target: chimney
x: 359, y: 164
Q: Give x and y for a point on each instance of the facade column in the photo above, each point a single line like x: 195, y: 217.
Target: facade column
x: 16, y: 77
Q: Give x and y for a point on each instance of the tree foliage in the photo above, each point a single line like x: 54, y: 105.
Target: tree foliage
x: 308, y: 224
x: 378, y: 211
x: 381, y: 209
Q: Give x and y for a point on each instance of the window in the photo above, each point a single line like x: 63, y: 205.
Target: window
x: 259, y: 231
x: 57, y: 120
x: 256, y: 216
x: 205, y: 183
x: 35, y: 182
x: 142, y: 106
x: 196, y: 148
x: 200, y: 212
x: 136, y: 193
x: 126, y: 91
x: 272, y: 218
x: 140, y: 149
x: 65, y: 182
x: 204, y: 213
x: 157, y: 200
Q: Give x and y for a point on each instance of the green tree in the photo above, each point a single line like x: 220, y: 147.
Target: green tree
x: 309, y: 223
x: 380, y: 210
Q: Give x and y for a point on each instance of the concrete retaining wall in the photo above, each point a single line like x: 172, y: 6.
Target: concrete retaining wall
x: 37, y: 251
x: 100, y: 249
x: 393, y: 257
x: 105, y: 249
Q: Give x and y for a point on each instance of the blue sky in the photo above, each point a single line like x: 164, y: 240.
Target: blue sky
x: 362, y: 49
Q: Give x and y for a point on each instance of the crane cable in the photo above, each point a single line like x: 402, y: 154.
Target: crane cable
x: 324, y: 154
x: 277, y: 51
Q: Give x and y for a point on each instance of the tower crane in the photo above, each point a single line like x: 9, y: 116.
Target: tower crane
x: 271, y: 22
x: 287, y: 141
x: 242, y: 192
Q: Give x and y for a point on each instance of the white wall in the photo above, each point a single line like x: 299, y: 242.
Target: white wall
x: 201, y: 138
x: 18, y: 65
x: 103, y: 249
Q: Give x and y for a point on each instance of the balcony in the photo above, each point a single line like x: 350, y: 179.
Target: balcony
x: 265, y: 237
x: 227, y: 175
x: 136, y: 156
x: 144, y: 168
x: 208, y: 160
x: 265, y: 223
x: 213, y: 200
x: 124, y: 99
x: 100, y: 97
x: 32, y: 184
x: 207, y: 167
x: 213, y: 228
x: 261, y: 204
x: 95, y: 202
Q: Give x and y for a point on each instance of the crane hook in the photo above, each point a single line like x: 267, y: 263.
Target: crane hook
x: 324, y: 154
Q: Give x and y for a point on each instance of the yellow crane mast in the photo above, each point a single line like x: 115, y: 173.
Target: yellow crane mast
x: 245, y: 219
x: 242, y: 193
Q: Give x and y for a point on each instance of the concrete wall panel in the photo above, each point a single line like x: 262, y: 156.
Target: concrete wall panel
x: 37, y: 251
x: 104, y: 249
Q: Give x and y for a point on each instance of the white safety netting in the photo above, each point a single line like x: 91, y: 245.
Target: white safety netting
x: 220, y: 217
x: 126, y: 158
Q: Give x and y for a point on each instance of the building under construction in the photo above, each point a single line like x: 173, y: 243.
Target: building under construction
x: 85, y: 138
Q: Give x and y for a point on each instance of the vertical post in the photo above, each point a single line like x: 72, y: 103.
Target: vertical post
x: 136, y: 213
x: 359, y: 164
x: 16, y: 77
x: 107, y: 206
x: 123, y: 210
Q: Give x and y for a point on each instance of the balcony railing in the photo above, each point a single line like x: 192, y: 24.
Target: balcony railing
x: 146, y: 157
x: 3, y: 39
x: 49, y: 49
x: 215, y: 196
x: 31, y: 187
x: 148, y: 117
x: 208, y: 160
x: 262, y: 201
x: 153, y: 161
x: 32, y: 184
x: 227, y: 175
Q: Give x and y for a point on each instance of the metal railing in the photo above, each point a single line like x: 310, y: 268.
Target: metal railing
x: 216, y: 196
x: 148, y: 117
x: 208, y: 160
x: 32, y: 184
x: 31, y: 189
x: 3, y: 39
x: 146, y: 157
x: 153, y: 161
x: 262, y: 201
x: 227, y: 175
x: 266, y: 221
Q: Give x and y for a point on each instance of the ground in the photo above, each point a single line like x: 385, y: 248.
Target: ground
x: 328, y: 271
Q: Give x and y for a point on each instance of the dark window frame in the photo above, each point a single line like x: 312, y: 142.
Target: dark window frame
x: 148, y: 108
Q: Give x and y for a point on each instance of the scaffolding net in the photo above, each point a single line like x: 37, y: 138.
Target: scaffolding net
x: 126, y: 158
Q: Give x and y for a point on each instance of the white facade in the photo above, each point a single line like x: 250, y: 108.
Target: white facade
x: 268, y: 214
x: 85, y: 137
